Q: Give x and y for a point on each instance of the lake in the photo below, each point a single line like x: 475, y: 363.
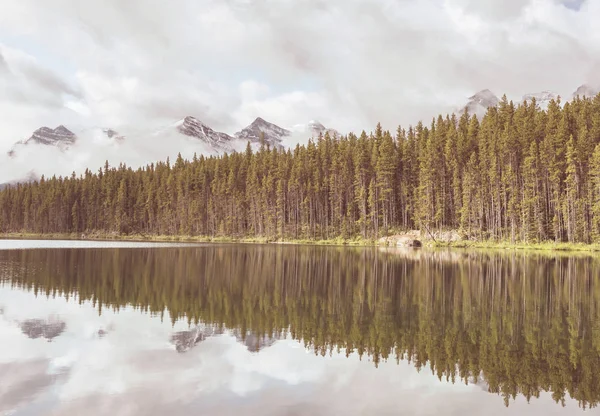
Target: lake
x: 122, y: 328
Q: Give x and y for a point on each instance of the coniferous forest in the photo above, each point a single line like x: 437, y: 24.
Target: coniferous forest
x: 520, y: 174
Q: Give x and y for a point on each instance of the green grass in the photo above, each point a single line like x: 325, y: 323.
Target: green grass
x: 191, y: 239
x: 542, y: 246
x: 356, y: 241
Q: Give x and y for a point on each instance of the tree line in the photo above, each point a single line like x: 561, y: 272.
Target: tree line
x: 520, y: 173
x: 516, y: 324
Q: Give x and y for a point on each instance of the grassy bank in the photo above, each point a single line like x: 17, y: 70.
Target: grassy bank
x: 543, y: 246
x: 188, y: 239
x: 357, y: 241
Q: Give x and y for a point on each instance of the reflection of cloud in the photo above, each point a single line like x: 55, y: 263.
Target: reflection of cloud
x: 22, y: 382
x: 133, y: 371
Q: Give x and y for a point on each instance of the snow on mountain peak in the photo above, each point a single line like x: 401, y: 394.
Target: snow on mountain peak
x: 586, y: 90
x: 485, y: 98
x: 273, y: 134
x: 60, y: 136
x: 192, y: 127
x: 480, y: 102
x: 313, y: 128
x: 542, y: 98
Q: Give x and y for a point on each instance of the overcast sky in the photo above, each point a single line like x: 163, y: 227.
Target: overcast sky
x: 348, y: 63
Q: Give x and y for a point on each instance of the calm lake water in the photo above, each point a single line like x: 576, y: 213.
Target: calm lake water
x: 100, y: 328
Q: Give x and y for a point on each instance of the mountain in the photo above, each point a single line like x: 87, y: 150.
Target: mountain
x: 111, y: 134
x: 314, y: 128
x: 541, y: 98
x: 586, y: 90
x: 255, y: 342
x: 273, y: 134
x: 480, y: 102
x: 30, y: 177
x: 192, y: 127
x: 61, y: 138
x: 186, y: 340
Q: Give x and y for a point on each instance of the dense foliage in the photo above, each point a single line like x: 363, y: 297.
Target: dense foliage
x: 520, y: 174
x: 519, y: 324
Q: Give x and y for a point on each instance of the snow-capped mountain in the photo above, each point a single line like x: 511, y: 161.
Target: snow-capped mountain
x: 313, y: 128
x: 273, y: 135
x: 62, y: 138
x: 586, y: 90
x: 541, y: 98
x: 192, y: 127
x: 480, y: 102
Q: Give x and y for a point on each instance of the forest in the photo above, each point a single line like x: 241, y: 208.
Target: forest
x: 519, y: 174
x: 517, y: 324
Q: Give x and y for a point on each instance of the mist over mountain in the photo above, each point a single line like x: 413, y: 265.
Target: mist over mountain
x: 62, y: 150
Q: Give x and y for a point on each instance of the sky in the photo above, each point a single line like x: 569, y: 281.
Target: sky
x: 134, y: 370
x: 347, y: 63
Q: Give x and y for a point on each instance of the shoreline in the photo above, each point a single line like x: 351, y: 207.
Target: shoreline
x: 356, y: 242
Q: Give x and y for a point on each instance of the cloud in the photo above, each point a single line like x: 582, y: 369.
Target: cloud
x: 25, y: 81
x: 348, y: 63
x: 21, y: 382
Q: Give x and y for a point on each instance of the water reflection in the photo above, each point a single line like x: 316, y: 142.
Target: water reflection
x: 39, y: 328
x: 516, y: 325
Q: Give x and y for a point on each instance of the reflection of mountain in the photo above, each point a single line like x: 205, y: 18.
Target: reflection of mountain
x: 38, y: 328
x: 522, y: 323
x: 186, y: 340
x: 253, y: 341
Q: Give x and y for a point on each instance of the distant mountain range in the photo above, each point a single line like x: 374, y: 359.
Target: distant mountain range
x: 184, y: 341
x: 210, y: 141
x: 60, y: 137
x: 257, y: 132
x: 481, y: 101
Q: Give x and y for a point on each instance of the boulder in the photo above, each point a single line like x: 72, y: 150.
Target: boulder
x: 408, y: 242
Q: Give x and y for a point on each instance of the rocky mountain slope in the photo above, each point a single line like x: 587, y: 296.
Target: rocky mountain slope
x: 61, y: 138
x: 192, y: 127
x: 313, y: 129
x: 478, y: 103
x: 273, y: 135
x: 481, y: 101
x: 586, y: 90
x: 63, y: 151
x: 542, y: 98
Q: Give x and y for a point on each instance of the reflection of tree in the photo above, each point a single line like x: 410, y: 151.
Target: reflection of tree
x: 513, y: 323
